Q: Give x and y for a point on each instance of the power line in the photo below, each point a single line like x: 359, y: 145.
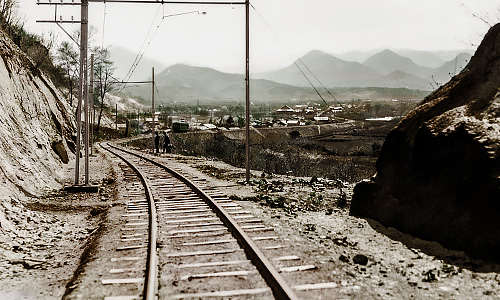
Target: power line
x: 141, y: 50
x: 104, y: 25
x: 295, y: 58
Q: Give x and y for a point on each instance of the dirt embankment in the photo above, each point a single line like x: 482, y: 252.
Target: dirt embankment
x: 438, y: 171
x: 50, y: 235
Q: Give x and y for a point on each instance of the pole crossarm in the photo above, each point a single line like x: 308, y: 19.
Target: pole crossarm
x: 126, y: 82
x: 60, y: 22
x: 168, y: 2
x: 50, y: 2
x: 61, y: 2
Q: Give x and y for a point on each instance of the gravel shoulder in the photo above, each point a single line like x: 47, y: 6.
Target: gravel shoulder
x: 60, y: 235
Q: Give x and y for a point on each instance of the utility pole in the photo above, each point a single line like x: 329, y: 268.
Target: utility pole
x: 82, y: 93
x: 153, y: 109
x: 87, y: 127
x: 91, y: 98
x: 82, y: 86
x: 247, y: 87
x: 116, y: 116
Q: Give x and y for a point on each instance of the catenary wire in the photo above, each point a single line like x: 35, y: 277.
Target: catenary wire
x: 296, y: 59
x: 141, y: 51
x: 104, y: 25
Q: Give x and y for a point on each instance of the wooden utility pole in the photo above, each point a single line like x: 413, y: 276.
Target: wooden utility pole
x: 82, y: 93
x: 91, y: 98
x: 86, y: 118
x: 153, y: 108
x: 82, y: 84
x: 247, y: 87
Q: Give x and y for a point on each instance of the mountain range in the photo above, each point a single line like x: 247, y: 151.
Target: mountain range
x: 384, y: 69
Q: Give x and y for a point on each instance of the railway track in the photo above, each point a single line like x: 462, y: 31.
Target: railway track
x: 180, y: 241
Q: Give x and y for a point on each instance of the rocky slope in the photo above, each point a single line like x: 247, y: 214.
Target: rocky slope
x: 438, y: 171
x: 35, y: 125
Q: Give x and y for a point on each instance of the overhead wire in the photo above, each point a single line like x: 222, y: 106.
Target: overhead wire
x: 296, y: 61
x: 142, y: 50
x: 104, y: 25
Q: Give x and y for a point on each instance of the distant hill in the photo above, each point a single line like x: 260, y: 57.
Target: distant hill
x: 387, y: 61
x: 451, y: 68
x: 123, y: 60
x: 385, y: 69
x: 330, y: 70
x: 182, y: 83
x: 400, y: 79
x: 357, y: 56
x: 427, y: 59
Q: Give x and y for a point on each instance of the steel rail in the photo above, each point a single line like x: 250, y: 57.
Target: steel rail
x: 150, y: 285
x: 280, y: 288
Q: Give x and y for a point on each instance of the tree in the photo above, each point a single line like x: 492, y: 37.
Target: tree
x: 8, y: 17
x: 103, y: 77
x: 69, y: 61
x: 230, y: 121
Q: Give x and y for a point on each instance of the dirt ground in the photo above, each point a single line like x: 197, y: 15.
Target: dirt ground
x: 56, y: 236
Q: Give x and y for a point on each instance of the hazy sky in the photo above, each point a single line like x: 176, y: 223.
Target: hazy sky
x: 281, y: 30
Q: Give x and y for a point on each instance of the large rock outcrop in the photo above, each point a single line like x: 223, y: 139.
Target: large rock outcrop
x: 438, y: 174
x: 35, y: 121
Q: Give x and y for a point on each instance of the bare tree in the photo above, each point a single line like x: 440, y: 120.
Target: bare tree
x: 103, y: 72
x: 8, y: 16
x: 489, y: 18
x: 68, y: 61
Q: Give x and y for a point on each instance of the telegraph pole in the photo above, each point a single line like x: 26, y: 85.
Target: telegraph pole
x: 116, y: 116
x: 247, y: 88
x: 82, y: 93
x: 153, y: 109
x: 87, y: 127
x: 91, y: 98
x: 82, y: 85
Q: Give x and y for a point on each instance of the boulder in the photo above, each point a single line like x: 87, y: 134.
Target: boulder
x: 60, y: 150
x: 438, y: 173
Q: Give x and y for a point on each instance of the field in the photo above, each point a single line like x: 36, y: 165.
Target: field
x: 342, y: 151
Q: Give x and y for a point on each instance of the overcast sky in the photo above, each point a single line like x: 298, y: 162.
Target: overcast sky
x: 281, y: 30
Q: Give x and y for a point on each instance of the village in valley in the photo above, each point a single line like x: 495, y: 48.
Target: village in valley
x: 231, y: 117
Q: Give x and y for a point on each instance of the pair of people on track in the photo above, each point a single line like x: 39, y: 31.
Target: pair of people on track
x: 167, y: 145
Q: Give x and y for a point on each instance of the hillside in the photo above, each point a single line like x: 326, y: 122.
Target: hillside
x: 196, y: 84
x: 402, y: 79
x: 387, y: 61
x: 191, y: 85
x: 451, y: 68
x: 36, y: 126
x: 35, y: 120
x: 383, y: 69
x: 123, y: 60
x: 437, y: 173
x: 330, y: 70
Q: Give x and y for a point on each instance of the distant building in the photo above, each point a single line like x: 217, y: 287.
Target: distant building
x: 321, y: 119
x: 285, y: 111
